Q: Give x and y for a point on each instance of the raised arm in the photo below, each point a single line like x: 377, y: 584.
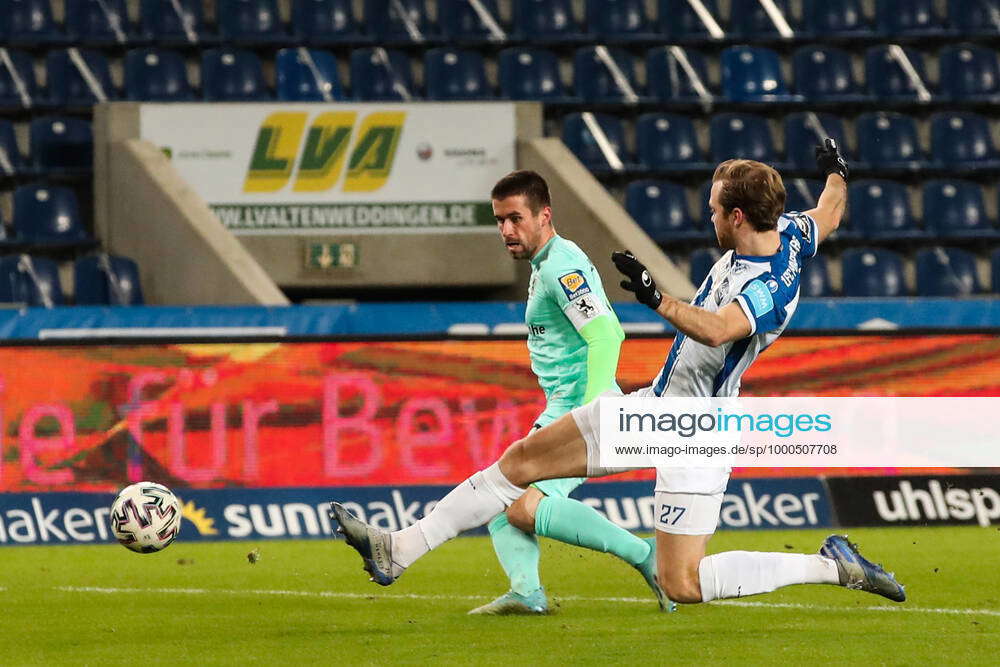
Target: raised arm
x: 832, y: 202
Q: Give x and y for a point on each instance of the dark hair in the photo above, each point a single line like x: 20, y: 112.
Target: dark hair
x: 753, y: 187
x: 527, y: 183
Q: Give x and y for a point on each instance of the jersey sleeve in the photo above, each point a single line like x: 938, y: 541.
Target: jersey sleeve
x: 764, y: 303
x: 581, y: 301
x: 807, y: 231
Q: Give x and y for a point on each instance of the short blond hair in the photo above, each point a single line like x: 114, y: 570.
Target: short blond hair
x: 753, y: 187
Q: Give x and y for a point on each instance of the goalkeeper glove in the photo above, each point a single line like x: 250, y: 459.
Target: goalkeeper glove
x: 830, y: 161
x: 639, y: 281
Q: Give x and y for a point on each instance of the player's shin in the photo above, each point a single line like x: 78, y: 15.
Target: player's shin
x: 735, y: 574
x: 572, y: 522
x: 518, y: 554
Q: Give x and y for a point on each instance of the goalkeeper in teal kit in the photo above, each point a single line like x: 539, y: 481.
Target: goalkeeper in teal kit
x: 573, y: 340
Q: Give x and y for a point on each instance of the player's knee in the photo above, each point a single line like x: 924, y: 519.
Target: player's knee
x: 515, y: 465
x: 521, y: 516
x: 681, y: 584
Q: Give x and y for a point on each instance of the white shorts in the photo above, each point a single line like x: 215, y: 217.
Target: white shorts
x: 686, y: 513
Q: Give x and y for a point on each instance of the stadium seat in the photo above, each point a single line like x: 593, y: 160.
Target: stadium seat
x: 156, y: 75
x: 250, y: 21
x: 48, y: 215
x: 752, y: 74
x: 530, y: 74
x: 18, y: 87
x: 962, y: 140
x: 593, y: 80
x: 579, y: 139
x: 661, y: 209
x: 845, y: 19
x: 668, y: 142
x: 974, y: 17
x: 749, y: 20
x: 29, y: 23
x: 109, y: 280
x: 11, y: 161
x: 455, y: 74
x: 888, y: 140
x: 802, y: 194
x: 947, y: 272
x: 324, y: 22
x: 61, y: 143
x: 172, y: 22
x: 32, y: 281
x: 460, y: 22
x: 386, y: 25
x: 954, y: 208
x: 97, y: 22
x: 886, y: 79
x: 545, y: 21
x: 814, y: 281
x: 880, y: 209
x: 907, y: 18
x: 825, y: 74
x: 232, y: 75
x: 78, y: 81
x: 307, y: 75
x: 736, y: 135
x: 970, y: 73
x: 805, y: 131
x: 704, y: 210
x: 619, y: 20
x: 680, y: 23
x: 995, y: 270
x: 702, y: 261
x: 378, y: 74
x: 668, y: 81
x: 872, y: 272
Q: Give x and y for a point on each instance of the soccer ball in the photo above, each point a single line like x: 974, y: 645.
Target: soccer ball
x: 146, y: 517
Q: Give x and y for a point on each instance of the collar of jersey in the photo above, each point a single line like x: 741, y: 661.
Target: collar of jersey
x: 758, y: 258
x: 540, y: 255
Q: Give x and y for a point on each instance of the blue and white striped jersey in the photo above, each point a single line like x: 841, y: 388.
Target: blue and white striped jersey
x: 766, y: 288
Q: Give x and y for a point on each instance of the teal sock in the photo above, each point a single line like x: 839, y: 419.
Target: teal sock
x: 518, y: 554
x: 572, y: 522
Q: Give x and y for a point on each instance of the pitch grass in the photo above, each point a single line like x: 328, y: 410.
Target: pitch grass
x: 224, y: 610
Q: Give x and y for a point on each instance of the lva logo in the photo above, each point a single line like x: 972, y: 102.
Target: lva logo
x: 944, y: 499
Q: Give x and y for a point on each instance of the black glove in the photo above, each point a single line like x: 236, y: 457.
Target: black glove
x: 639, y: 281
x: 830, y: 161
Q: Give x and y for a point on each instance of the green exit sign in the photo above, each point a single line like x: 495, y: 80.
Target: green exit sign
x: 324, y: 256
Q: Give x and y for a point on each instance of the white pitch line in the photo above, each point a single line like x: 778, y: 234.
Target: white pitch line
x: 571, y: 598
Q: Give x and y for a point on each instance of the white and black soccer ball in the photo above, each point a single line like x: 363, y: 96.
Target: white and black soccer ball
x: 146, y: 517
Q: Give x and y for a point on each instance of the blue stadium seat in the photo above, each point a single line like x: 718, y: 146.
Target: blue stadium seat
x: 29, y: 23
x: 232, y: 75
x: 995, y: 270
x: 735, y: 135
x: 619, y: 20
x: 578, y: 139
x: 667, y: 81
x: 530, y: 74
x: 752, y: 74
x: 66, y: 83
x: 48, y: 215
x: 970, y: 73
x: 455, y: 74
x: 679, y: 22
x: 802, y: 194
x: 804, y: 131
x: 947, y: 272
x: 843, y: 19
x: 156, y: 75
x: 378, y: 74
x: 880, y: 209
x: 974, y: 17
x: 250, y: 21
x: 702, y: 261
x: 909, y: 18
x: 545, y: 21
x: 886, y: 79
x: 747, y: 19
x: 98, y: 22
x: 825, y: 74
x: 888, y: 140
x: 28, y: 280
x: 386, y: 26
x: 61, y: 143
x: 873, y: 272
x: 460, y: 22
x: 814, y: 280
x: 668, y: 142
x: 106, y: 280
x: 704, y: 210
x: 18, y: 88
x: 661, y: 209
x: 324, y: 22
x: 307, y: 75
x: 954, y: 208
x: 161, y: 22
x: 592, y: 79
x: 12, y: 162
x: 962, y: 140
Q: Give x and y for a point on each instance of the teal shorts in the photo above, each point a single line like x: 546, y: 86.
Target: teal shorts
x: 556, y: 488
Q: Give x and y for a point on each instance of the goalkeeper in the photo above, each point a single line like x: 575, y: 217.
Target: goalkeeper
x: 573, y: 340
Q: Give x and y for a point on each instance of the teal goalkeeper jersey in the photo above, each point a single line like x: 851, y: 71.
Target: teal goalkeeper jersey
x: 564, y: 295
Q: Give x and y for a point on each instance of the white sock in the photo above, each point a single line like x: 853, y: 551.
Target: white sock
x: 472, y: 503
x: 736, y: 574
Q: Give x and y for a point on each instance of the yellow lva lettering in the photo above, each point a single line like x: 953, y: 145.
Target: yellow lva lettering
x: 323, y: 154
x: 274, y: 155
x: 371, y: 159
